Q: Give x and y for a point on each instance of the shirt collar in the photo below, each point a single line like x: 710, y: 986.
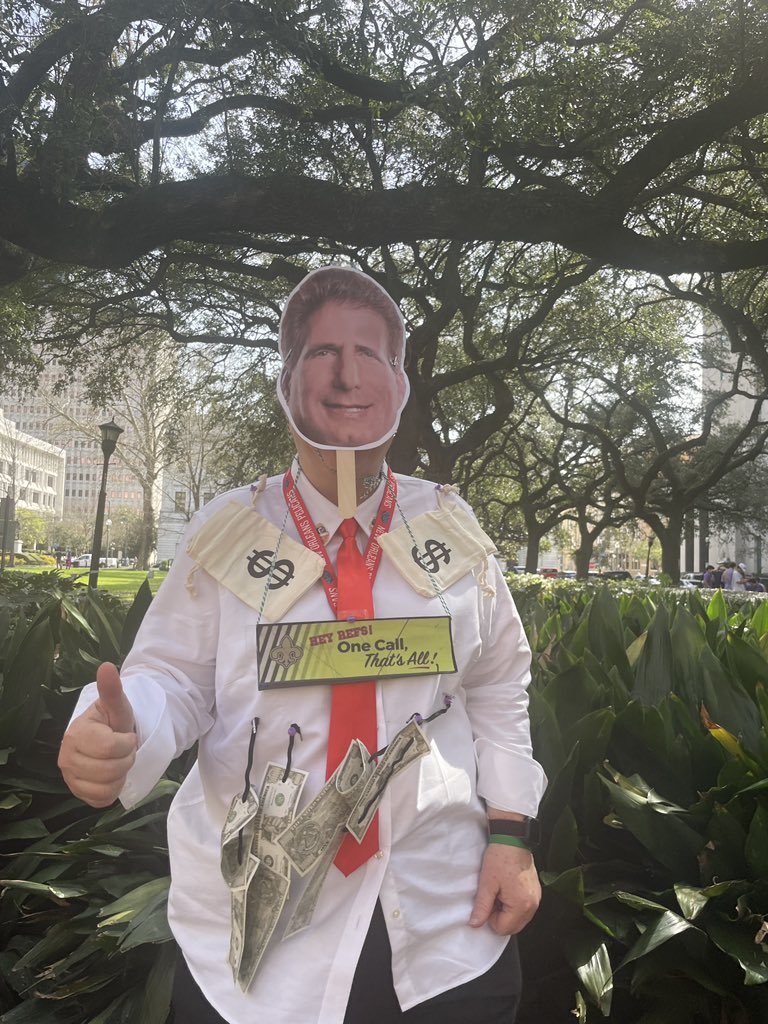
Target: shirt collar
x: 326, y: 514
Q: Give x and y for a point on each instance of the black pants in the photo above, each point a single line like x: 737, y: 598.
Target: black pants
x: 490, y: 999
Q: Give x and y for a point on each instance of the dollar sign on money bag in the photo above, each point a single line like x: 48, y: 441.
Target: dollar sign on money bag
x: 259, y: 564
x: 435, y: 552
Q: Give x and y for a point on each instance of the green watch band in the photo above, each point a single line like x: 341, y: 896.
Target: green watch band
x: 509, y: 841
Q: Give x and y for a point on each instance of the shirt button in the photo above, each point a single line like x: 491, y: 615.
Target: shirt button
x: 379, y: 854
x: 395, y: 913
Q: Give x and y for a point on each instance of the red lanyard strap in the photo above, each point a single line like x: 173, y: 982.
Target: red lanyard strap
x: 310, y: 538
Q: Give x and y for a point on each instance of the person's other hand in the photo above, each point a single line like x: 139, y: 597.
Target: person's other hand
x: 508, y: 890
x: 99, y: 747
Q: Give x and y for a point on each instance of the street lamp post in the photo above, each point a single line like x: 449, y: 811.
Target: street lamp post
x: 110, y: 432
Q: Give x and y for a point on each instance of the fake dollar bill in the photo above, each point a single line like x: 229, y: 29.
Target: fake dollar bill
x: 279, y: 798
x: 237, y: 904
x: 406, y: 747
x: 255, y: 913
x: 320, y: 823
x: 237, y: 836
x: 301, y: 917
x: 255, y: 868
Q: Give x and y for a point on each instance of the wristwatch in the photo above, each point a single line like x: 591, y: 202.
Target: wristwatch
x: 529, y: 829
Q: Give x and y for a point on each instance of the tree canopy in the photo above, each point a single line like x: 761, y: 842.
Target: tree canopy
x: 177, y: 166
x: 632, y: 132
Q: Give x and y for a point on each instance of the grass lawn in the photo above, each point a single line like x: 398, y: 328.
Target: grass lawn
x: 123, y: 582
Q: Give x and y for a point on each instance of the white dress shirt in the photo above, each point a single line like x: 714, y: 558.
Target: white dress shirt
x: 192, y: 675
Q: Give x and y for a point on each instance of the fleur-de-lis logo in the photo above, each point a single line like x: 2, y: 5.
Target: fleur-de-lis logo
x: 286, y: 653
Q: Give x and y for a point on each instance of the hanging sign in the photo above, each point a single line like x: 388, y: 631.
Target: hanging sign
x: 307, y: 653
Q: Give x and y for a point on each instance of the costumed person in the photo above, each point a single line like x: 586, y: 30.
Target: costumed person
x: 353, y: 844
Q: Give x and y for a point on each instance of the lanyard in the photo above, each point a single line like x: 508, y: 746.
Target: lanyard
x: 310, y: 538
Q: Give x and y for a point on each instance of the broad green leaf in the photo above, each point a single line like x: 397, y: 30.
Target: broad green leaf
x: 639, y: 902
x: 545, y: 734
x: 759, y: 621
x: 654, y: 668
x: 665, y: 835
x: 738, y: 941
x: 134, y: 901
x: 569, y: 884
x: 688, y: 640
x: 57, y: 891
x: 21, y: 706
x: 728, y: 741
x: 635, y: 649
x: 74, y: 613
x: 134, y: 617
x: 592, y: 733
x: 692, y: 900
x: 664, y: 928
x: 12, y: 800
x: 109, y: 646
x: 580, y: 1010
x: 606, y: 635
x: 728, y: 703
x: 717, y: 608
x: 27, y: 828
x: 572, y: 694
x: 597, y: 978
x: 150, y: 925
x: 563, y: 843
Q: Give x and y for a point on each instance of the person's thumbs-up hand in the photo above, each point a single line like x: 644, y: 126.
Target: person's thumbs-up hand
x: 99, y: 747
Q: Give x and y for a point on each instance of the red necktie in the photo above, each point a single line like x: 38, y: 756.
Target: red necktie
x: 353, y: 705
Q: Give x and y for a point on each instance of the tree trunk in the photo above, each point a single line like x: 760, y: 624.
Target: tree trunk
x: 690, y: 530
x: 532, y: 551
x: 583, y: 553
x: 670, y: 539
x: 583, y: 556
x: 146, y: 541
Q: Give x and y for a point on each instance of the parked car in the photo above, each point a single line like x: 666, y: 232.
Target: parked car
x: 549, y: 571
x: 692, y: 579
x: 81, y: 562
x: 616, y: 574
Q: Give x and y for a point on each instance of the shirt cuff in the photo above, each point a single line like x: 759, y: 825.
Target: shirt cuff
x: 508, y: 780
x: 157, y: 742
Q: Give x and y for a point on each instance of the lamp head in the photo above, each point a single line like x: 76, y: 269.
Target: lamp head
x: 110, y: 432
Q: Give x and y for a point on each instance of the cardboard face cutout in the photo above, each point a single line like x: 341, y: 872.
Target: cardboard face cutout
x: 342, y: 340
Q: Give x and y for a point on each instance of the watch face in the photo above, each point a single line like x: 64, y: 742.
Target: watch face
x: 342, y: 339
x: 528, y: 830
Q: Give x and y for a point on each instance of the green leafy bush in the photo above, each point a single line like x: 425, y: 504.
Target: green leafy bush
x: 649, y: 714
x: 82, y: 909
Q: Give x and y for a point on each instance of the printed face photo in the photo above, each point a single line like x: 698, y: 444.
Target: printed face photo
x: 343, y: 384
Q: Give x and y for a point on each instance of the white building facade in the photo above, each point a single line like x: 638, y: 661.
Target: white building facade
x: 68, y: 420
x: 32, y: 471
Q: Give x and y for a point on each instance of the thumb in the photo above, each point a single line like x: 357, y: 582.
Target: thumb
x: 112, y: 702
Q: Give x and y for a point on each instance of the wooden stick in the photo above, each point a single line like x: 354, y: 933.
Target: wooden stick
x: 346, y: 482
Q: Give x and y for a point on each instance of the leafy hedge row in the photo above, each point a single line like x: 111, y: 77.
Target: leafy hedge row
x: 649, y: 714
x: 83, y: 933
